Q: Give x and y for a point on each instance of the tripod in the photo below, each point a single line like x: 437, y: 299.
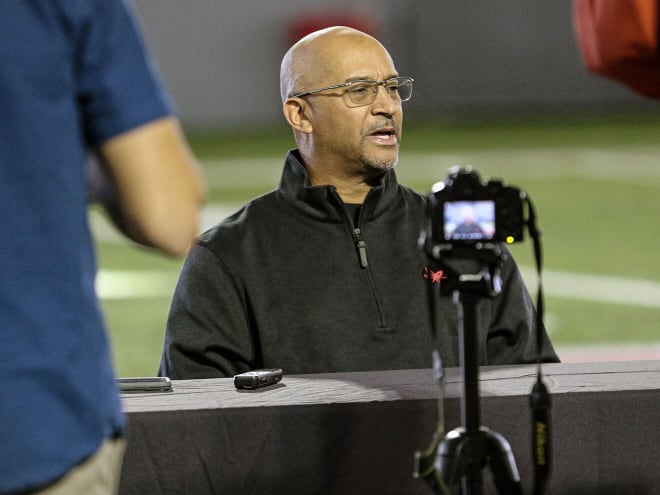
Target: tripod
x: 464, y: 452
x: 454, y: 461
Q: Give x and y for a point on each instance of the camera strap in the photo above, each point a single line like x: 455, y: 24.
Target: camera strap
x: 539, y: 399
x: 424, y: 467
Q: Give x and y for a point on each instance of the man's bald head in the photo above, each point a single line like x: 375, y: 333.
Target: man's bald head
x: 311, y: 61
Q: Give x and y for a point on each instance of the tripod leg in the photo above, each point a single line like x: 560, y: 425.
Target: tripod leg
x: 503, y: 464
x: 449, y: 460
x: 460, y: 462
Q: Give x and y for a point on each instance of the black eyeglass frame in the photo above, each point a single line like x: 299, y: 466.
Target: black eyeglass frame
x: 401, y: 81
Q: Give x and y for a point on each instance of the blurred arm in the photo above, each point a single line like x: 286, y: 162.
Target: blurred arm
x: 151, y: 186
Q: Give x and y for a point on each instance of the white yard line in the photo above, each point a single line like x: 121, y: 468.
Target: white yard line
x: 628, y: 351
x: 135, y: 284
x: 595, y: 288
x: 626, y: 164
x: 560, y: 284
x: 126, y: 284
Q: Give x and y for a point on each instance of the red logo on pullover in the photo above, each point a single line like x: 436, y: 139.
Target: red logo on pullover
x: 434, y: 277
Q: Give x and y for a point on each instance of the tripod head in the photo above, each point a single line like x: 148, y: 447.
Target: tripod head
x: 466, y: 225
x: 475, y: 268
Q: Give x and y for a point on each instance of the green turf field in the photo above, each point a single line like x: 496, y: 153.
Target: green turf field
x: 595, y: 184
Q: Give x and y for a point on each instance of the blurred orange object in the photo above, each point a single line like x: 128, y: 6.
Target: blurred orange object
x: 620, y: 40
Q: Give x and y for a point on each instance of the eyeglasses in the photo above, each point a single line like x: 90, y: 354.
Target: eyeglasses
x: 363, y: 92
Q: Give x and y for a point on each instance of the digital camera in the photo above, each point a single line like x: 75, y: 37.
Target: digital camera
x: 463, y: 210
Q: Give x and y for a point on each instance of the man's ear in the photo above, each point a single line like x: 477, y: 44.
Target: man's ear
x: 295, y: 113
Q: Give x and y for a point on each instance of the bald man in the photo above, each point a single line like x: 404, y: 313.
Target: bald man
x: 324, y: 273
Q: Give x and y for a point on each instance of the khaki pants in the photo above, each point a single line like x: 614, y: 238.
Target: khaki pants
x: 97, y: 475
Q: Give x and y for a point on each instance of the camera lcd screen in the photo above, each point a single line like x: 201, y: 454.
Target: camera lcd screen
x: 469, y: 220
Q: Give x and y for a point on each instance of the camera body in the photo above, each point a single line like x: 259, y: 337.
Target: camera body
x: 464, y: 211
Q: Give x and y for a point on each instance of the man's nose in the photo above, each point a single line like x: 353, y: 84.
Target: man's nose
x: 384, y: 103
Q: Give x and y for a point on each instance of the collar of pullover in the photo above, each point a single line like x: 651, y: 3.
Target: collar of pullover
x: 323, y: 201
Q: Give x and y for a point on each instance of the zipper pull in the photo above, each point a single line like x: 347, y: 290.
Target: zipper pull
x: 361, y: 246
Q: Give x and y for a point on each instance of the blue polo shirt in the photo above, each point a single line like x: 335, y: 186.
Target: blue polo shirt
x: 73, y: 73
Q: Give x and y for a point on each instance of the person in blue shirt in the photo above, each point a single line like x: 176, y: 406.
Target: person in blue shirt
x: 76, y: 88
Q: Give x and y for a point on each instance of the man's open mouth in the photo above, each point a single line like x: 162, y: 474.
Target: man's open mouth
x: 385, y: 136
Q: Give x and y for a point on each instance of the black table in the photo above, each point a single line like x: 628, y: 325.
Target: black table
x: 356, y: 433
